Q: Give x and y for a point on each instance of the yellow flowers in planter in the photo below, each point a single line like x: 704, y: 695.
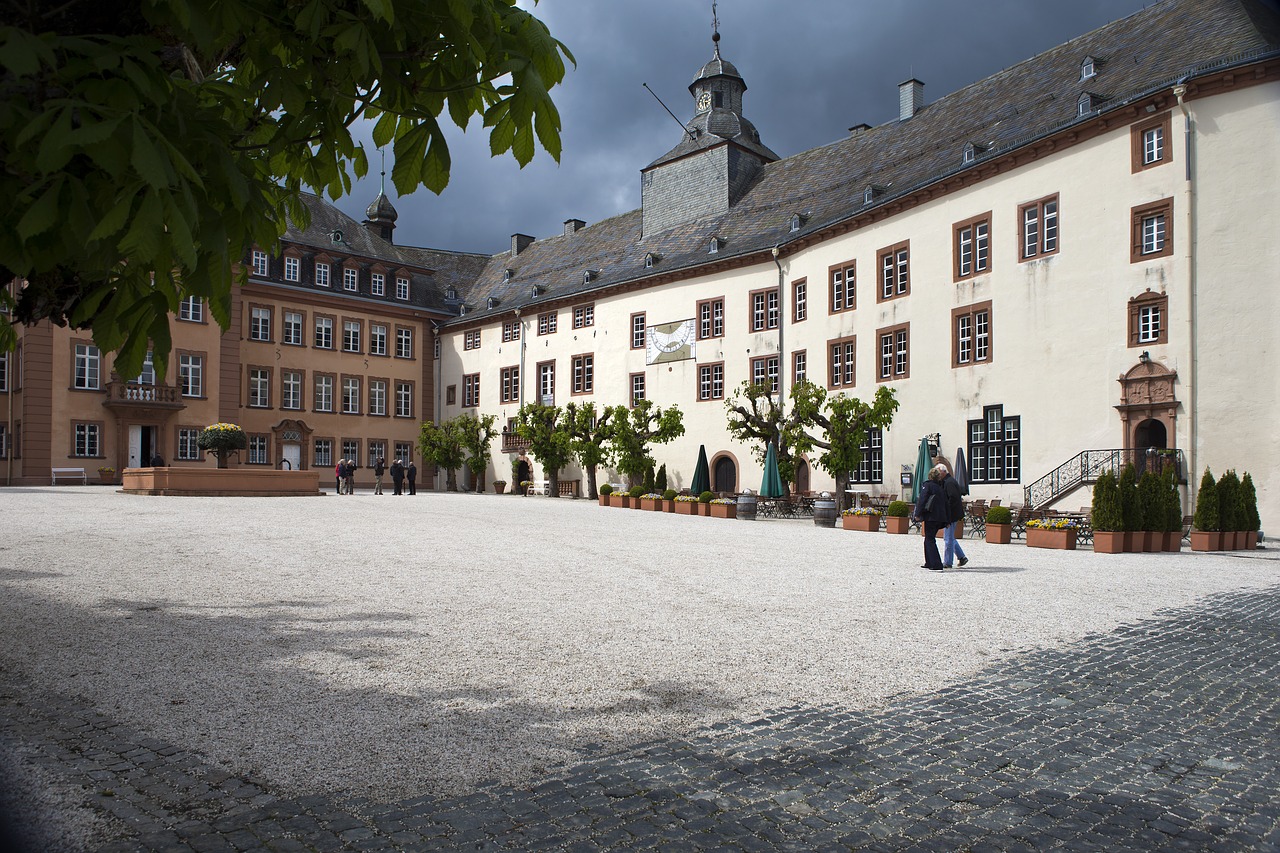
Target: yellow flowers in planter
x: 865, y: 511
x: 1052, y: 523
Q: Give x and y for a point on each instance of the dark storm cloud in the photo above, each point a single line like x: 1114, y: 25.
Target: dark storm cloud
x: 813, y: 68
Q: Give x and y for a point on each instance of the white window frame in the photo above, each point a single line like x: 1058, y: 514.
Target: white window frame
x: 350, y: 279
x: 378, y: 284
x: 88, y: 440
x: 260, y: 324
x: 350, y: 395
x: 292, y: 328
x: 322, y: 274
x: 259, y: 388
x: 261, y: 264
x: 323, y: 333
x: 88, y: 367
x: 377, y: 339
x: 351, y: 334
x: 191, y: 375
x: 378, y: 397
x: 402, y: 289
x: 191, y: 309
x: 324, y: 394
x: 1150, y: 323
x: 404, y: 342
x: 292, y: 269
x: 404, y: 400
x: 290, y: 389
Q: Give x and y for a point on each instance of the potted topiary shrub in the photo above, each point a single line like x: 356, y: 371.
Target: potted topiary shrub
x: 704, y: 502
x: 1151, y: 505
x: 999, y: 525
x: 604, y: 492
x: 1205, y: 533
x: 669, y: 498
x: 1229, y: 521
x: 634, y: 496
x: 222, y: 439
x: 1252, y: 521
x: 1108, y: 525
x: 1172, y: 513
x: 1130, y: 514
x: 896, y: 517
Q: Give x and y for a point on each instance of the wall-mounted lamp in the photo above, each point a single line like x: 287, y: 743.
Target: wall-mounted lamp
x: 1145, y: 358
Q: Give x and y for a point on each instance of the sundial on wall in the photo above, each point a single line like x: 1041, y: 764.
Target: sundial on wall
x: 670, y: 341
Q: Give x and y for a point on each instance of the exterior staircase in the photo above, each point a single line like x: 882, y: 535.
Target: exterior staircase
x: 1083, y: 470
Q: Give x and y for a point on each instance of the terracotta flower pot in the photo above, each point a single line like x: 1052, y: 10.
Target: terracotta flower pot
x: 865, y: 523
x: 999, y: 534
x: 899, y: 524
x: 1250, y: 540
x: 668, y: 506
x: 724, y: 510
x: 1206, y: 540
x: 1061, y: 540
x: 1173, y: 541
x: 686, y: 507
x: 1108, y: 541
x: 651, y: 504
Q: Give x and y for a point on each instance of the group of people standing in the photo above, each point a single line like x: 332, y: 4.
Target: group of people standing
x: 941, y: 507
x: 345, y: 471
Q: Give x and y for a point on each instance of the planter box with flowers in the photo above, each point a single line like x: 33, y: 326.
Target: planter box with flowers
x: 724, y: 508
x: 651, y: 502
x: 686, y: 505
x: 106, y: 474
x: 704, y: 502
x: 865, y: 519
x: 1056, y: 533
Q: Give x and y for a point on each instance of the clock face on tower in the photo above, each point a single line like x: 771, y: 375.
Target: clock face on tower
x: 704, y: 102
x: 670, y: 342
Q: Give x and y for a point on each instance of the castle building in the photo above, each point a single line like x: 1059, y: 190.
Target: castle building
x: 1074, y: 256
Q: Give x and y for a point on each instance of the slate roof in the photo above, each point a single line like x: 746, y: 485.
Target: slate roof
x: 1137, y: 55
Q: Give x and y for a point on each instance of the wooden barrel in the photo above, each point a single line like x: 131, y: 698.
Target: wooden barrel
x: 824, y: 513
x: 747, y: 507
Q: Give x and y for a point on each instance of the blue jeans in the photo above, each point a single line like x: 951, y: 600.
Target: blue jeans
x: 951, y: 548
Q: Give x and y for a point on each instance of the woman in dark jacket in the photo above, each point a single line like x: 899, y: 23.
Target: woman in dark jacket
x: 934, y: 518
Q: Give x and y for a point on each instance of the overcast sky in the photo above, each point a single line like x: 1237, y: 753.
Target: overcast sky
x: 813, y: 68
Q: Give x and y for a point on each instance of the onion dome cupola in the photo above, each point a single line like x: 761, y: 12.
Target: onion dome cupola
x: 381, y: 216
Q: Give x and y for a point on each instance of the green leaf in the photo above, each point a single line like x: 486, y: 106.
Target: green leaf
x: 22, y: 53
x: 146, y: 160
x: 43, y: 213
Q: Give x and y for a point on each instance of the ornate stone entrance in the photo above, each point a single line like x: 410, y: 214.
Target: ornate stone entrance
x: 1148, y: 406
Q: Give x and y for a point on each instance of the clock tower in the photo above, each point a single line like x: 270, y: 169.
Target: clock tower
x: 680, y: 187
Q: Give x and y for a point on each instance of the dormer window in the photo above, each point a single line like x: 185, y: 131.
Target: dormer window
x: 972, y: 151
x: 336, y: 236
x: 451, y: 293
x: 872, y: 192
x: 1088, y: 68
x: 587, y: 276
x: 650, y: 259
x: 1088, y: 103
x: 535, y: 292
x: 797, y: 221
x: 507, y: 274
x: 491, y: 302
x: 713, y: 247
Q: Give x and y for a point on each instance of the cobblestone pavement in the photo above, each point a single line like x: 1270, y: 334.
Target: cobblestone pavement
x: 1159, y: 735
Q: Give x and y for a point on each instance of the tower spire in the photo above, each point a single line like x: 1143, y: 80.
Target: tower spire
x: 382, y: 187
x: 715, y: 29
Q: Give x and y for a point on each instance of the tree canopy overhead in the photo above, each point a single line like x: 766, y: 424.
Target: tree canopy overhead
x: 147, y: 144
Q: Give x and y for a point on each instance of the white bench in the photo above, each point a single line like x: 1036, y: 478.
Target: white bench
x: 540, y: 487
x: 66, y: 473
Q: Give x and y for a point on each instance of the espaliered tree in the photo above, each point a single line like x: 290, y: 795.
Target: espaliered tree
x: 633, y: 430
x: 843, y: 422
x: 550, y: 440
x: 589, y: 436
x: 145, y: 146
x: 442, y: 445
x: 476, y: 434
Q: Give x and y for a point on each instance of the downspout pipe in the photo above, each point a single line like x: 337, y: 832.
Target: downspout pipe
x: 1193, y: 342
x: 782, y: 322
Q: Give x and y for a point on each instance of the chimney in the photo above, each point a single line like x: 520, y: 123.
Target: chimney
x: 572, y: 225
x: 910, y: 98
x: 519, y: 242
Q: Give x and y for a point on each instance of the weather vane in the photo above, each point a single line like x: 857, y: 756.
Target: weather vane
x: 715, y: 28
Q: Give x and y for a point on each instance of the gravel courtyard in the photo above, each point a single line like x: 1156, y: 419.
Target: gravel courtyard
x: 390, y: 646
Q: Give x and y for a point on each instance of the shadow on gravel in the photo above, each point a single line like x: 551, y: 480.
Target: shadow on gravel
x: 988, y: 570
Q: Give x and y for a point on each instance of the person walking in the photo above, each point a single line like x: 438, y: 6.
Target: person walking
x: 349, y: 476
x: 413, y: 478
x: 955, y: 516
x: 337, y: 476
x: 397, y: 477
x: 379, y: 468
x: 931, y: 510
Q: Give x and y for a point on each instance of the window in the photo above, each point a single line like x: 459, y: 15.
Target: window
x: 147, y: 374
x: 292, y: 269
x: 350, y: 395
x: 799, y: 366
x: 259, y: 323
x: 547, y: 323
x: 583, y: 374
x: 637, y: 331
x: 378, y: 397
x: 350, y: 279
x: 258, y: 450
x: 188, y: 450
x: 322, y: 274
x: 377, y: 339
x: 871, y: 468
x: 259, y: 387
x: 4, y: 371
x: 711, y: 319
x: 402, y: 288
x: 378, y: 284
x: 510, y: 331
x: 451, y: 395
x: 351, y: 336
x: 510, y: 379
x: 404, y: 451
x: 351, y: 450
x: 324, y: 393
x: 191, y: 309
x: 799, y: 300
x: 404, y: 342
x: 435, y: 346
x: 324, y: 333
x: 1152, y: 231
x: 1148, y: 323
x: 290, y: 389
x: 971, y: 335
x: 583, y: 316
x: 711, y: 381
x: 1039, y: 223
x: 4, y: 441
x: 88, y: 366
x: 404, y: 399
x: 323, y: 453
x: 637, y: 388
x: 191, y: 375
x: 260, y: 265
x: 1087, y: 68
x: 377, y: 450
x: 1149, y: 141
x: 471, y: 339
x: 764, y: 370
x: 764, y: 310
x: 971, y: 246
x: 841, y: 366
x: 471, y: 390
x: 995, y: 448
x: 895, y: 271
x: 843, y: 287
x: 88, y: 440
x: 895, y: 356
x: 292, y: 329
x: 547, y: 383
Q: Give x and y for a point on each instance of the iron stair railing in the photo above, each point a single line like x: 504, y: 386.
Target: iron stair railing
x: 1083, y: 470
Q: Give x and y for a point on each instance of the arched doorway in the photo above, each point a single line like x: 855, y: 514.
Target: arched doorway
x: 802, y: 476
x: 1148, y: 406
x: 725, y: 475
x: 1150, y: 433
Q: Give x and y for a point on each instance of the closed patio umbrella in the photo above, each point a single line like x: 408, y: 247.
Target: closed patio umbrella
x: 923, y: 463
x: 962, y: 471
x: 771, y: 487
x: 701, y: 473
